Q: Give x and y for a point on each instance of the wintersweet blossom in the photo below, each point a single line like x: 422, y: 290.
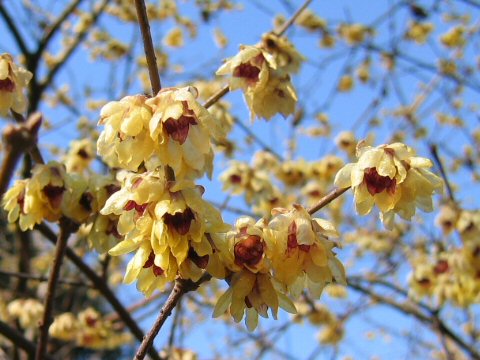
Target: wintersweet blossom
x: 125, y: 142
x: 303, y: 253
x: 183, y: 130
x: 13, y: 80
x: 167, y: 224
x: 391, y: 177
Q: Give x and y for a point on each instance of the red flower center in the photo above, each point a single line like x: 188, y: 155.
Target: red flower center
x: 178, y: 129
x: 441, y: 267
x: 54, y: 195
x: 200, y: 261
x: 130, y: 205
x: 377, y: 183
x: 7, y: 85
x: 157, y: 270
x: 180, y: 221
x: 292, y: 242
x: 247, y: 71
x: 249, y: 251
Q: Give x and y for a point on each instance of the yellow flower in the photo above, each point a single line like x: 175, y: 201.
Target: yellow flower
x: 125, y: 142
x: 252, y: 294
x: 267, y: 87
x: 454, y: 38
x: 354, y: 34
x: 391, y: 177
x: 183, y: 130
x: 310, y: 21
x: 302, y: 250
x: 64, y: 327
x: 166, y: 224
x: 346, y: 83
x: 278, y: 96
x: 250, y: 68
x: 220, y: 39
x: 419, y: 31
x: 80, y: 155
x: 174, y: 38
x: 13, y: 80
x: 29, y: 312
x: 44, y: 193
x: 284, y: 52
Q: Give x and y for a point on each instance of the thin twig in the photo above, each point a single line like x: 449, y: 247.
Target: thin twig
x: 67, y: 227
x: 17, y: 139
x: 40, y: 278
x: 14, y: 30
x: 327, y: 199
x: 102, y: 287
x: 148, y: 46
x: 19, y: 340
x: 217, y: 96
x: 430, y: 319
x: 181, y: 287
x: 294, y: 17
x: 438, y: 161
x: 224, y: 90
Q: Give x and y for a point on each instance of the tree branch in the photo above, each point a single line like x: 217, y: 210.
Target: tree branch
x: 101, y: 286
x: 19, y: 340
x: 14, y: 30
x: 148, y: 46
x: 17, y: 140
x: 327, y: 199
x: 67, y: 227
x: 181, y: 287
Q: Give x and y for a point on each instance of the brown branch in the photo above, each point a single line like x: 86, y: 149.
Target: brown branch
x: 225, y: 90
x: 181, y: 287
x: 17, y: 140
x: 19, y: 340
x: 40, y: 278
x: 327, y: 199
x: 52, y: 30
x: 431, y: 319
x: 438, y: 161
x: 101, y: 286
x: 14, y: 30
x: 294, y: 17
x: 37, y: 89
x: 67, y: 227
x: 217, y: 96
x: 148, y: 46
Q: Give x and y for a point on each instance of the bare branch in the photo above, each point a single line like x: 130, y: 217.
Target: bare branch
x: 101, y: 286
x: 327, y: 199
x: 67, y: 227
x: 148, y: 46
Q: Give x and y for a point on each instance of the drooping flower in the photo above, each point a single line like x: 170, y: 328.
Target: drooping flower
x: 183, y: 131
x: 125, y: 142
x: 167, y: 225
x: 13, y: 80
x: 303, y: 253
x: 266, y: 86
x: 80, y: 155
x: 392, y: 178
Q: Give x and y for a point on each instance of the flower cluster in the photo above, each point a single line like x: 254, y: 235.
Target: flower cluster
x: 392, y: 178
x: 167, y: 224
x: 89, y: 330
x: 263, y: 73
x: 268, y: 261
x: 448, y: 276
x: 52, y: 192
x: 170, y: 129
x: 13, y: 80
x: 28, y: 312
